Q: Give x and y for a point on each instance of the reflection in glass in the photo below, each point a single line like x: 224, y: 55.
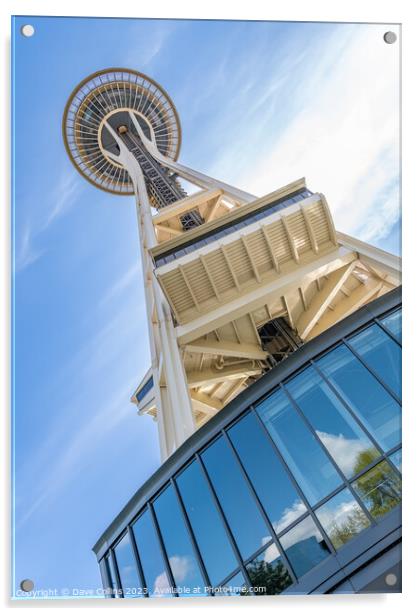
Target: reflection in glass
x: 177, y: 543
x: 240, y: 509
x: 152, y: 562
x: 236, y: 586
x: 342, y: 518
x: 127, y: 568
x: 393, y: 322
x: 304, y: 546
x: 112, y: 576
x: 396, y: 458
x: 364, y: 394
x: 341, y: 435
x: 214, y: 546
x: 268, y: 476
x: 308, y: 462
x: 382, y: 354
x: 268, y: 574
x: 380, y: 489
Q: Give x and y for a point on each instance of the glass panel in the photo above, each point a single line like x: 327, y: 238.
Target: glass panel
x: 393, y: 322
x: 308, y: 462
x: 106, y: 582
x: 240, y: 509
x: 127, y: 568
x: 268, y: 574
x: 213, y: 543
x: 364, y: 394
x: 236, y: 586
x: 270, y: 480
x: 396, y: 458
x: 112, y: 574
x: 178, y: 545
x: 346, y: 442
x: 380, y: 489
x: 342, y: 518
x: 304, y: 546
x: 382, y: 354
x: 152, y: 562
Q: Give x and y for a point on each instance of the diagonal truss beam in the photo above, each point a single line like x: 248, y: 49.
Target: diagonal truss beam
x: 323, y: 299
x: 347, y: 306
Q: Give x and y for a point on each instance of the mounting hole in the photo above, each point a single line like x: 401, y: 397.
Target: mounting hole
x: 27, y: 30
x: 390, y: 37
x: 27, y: 585
x: 391, y: 579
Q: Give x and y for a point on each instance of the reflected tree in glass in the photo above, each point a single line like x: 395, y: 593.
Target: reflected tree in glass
x: 342, y: 518
x: 379, y: 489
x: 268, y: 573
x: 396, y: 458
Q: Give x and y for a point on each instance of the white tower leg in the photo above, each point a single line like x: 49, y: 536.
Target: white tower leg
x: 175, y: 417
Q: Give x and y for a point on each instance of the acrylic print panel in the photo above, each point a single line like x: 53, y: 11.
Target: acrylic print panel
x: 258, y: 165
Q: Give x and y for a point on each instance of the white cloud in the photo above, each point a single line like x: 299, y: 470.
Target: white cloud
x: 289, y: 515
x: 342, y: 134
x: 161, y: 585
x: 344, y: 450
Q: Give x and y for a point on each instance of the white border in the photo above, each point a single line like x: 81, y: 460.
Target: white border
x: 302, y: 10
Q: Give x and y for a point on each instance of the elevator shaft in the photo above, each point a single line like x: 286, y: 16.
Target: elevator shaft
x: 163, y: 188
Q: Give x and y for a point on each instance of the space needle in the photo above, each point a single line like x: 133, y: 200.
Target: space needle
x: 234, y: 283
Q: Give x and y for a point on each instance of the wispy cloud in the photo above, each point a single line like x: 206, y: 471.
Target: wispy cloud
x: 48, y: 211
x: 78, y: 449
x: 132, y: 275
x: 64, y: 196
x: 94, y: 387
x: 26, y: 253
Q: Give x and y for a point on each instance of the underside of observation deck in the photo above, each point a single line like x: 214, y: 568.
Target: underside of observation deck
x: 253, y: 282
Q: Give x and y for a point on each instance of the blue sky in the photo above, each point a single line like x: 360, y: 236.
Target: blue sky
x: 261, y: 104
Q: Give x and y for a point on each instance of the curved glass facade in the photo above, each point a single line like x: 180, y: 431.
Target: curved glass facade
x: 280, y: 489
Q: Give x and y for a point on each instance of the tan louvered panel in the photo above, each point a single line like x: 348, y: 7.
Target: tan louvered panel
x: 239, y: 261
x: 259, y: 251
x: 219, y: 271
x: 298, y: 229
x: 198, y: 279
x: 176, y: 289
x: 319, y: 222
x: 279, y: 241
